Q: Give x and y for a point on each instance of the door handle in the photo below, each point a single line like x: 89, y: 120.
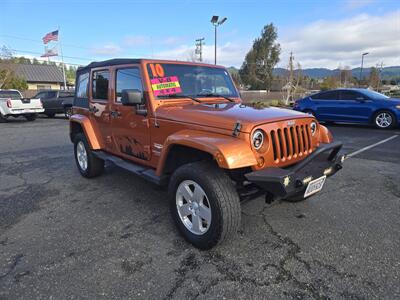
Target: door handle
x: 93, y: 109
x: 115, y: 114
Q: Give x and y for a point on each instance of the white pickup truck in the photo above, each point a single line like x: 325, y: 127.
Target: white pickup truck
x: 12, y: 104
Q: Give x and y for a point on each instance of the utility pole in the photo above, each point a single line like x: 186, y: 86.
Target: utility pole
x: 362, y: 64
x: 199, y: 48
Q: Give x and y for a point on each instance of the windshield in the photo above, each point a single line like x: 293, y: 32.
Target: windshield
x: 169, y: 80
x: 14, y: 95
x: 374, y: 95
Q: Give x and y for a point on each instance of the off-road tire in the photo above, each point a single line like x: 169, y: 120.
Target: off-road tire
x: 392, y: 125
x: 222, y: 197
x: 95, y: 165
x: 31, y: 117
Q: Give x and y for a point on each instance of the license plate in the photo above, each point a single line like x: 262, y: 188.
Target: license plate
x: 315, y: 186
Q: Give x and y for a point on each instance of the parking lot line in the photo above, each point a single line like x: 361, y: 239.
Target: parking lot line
x: 371, y: 146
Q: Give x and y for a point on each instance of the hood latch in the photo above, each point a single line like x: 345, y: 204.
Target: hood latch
x: 236, y: 129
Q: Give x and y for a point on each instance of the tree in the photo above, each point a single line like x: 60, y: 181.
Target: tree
x: 374, y: 78
x: 7, y: 66
x: 256, y: 70
x: 329, y: 83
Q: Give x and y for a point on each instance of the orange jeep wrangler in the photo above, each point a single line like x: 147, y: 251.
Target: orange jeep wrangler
x: 182, y: 125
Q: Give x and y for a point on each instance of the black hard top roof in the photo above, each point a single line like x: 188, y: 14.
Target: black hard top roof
x: 110, y: 62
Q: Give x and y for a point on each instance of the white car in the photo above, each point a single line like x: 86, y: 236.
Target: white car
x: 13, y: 104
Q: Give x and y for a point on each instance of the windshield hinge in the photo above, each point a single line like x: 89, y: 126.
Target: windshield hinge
x: 236, y: 129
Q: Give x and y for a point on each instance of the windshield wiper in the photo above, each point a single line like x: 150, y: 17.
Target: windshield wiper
x: 215, y: 95
x: 181, y: 96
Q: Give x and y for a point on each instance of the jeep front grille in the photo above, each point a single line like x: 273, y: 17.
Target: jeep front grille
x: 290, y: 142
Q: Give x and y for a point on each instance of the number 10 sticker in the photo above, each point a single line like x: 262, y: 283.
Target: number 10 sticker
x: 157, y: 70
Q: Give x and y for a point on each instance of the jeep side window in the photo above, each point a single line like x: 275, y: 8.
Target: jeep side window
x: 82, y: 88
x: 100, y: 85
x: 127, y: 79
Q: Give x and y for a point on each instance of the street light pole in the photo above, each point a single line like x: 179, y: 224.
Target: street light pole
x: 362, y: 64
x: 216, y: 23
x: 215, y: 44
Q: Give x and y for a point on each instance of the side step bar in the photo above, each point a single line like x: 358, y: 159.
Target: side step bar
x: 144, y: 172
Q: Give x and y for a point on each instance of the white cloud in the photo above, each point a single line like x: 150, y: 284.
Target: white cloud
x: 108, y: 49
x: 228, y: 54
x: 320, y: 44
x: 330, y: 43
x: 356, y: 4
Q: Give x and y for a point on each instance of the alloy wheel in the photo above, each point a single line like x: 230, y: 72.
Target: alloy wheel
x: 193, y: 207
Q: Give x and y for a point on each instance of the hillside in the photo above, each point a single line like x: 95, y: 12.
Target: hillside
x: 388, y: 73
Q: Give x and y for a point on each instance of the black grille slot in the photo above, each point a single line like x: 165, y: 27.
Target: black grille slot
x: 279, y: 133
x: 274, y: 144
x: 288, y: 148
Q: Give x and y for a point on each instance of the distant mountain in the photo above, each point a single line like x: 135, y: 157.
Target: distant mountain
x: 387, y: 72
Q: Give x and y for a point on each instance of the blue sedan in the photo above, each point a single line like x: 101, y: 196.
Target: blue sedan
x: 352, y: 106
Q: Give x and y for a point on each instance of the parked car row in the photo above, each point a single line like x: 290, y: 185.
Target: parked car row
x: 352, y: 106
x: 48, y: 102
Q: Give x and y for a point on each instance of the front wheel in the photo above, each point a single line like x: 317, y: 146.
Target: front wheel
x: 31, y: 117
x: 88, y: 164
x: 384, y: 120
x: 204, y: 204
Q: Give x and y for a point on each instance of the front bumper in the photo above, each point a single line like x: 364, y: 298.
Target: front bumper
x: 286, y: 182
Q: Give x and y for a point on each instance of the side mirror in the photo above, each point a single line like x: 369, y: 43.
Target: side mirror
x: 131, y: 97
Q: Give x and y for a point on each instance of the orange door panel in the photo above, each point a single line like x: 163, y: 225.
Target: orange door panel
x: 130, y: 130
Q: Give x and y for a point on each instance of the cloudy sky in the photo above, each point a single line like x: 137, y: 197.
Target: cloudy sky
x: 320, y: 33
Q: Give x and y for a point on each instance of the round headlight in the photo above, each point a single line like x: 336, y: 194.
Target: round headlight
x: 257, y: 139
x: 313, y: 127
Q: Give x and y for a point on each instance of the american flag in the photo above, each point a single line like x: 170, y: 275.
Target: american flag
x: 50, y: 52
x: 51, y: 36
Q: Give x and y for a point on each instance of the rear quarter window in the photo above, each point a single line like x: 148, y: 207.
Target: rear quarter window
x: 82, y: 87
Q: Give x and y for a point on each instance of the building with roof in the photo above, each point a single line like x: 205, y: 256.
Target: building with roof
x: 40, y: 77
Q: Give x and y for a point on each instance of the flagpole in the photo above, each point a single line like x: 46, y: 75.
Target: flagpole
x: 62, y: 58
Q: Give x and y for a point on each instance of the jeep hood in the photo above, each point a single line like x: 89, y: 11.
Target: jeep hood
x: 225, y: 115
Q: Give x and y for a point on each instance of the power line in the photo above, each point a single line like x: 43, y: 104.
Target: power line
x: 33, y: 52
x: 39, y: 41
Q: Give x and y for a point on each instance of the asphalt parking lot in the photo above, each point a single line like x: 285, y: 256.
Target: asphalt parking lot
x: 63, y: 236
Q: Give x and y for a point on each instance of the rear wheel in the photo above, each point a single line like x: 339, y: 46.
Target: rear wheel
x: 3, y: 119
x: 204, y: 204
x: 88, y: 164
x: 384, y: 120
x: 31, y: 117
